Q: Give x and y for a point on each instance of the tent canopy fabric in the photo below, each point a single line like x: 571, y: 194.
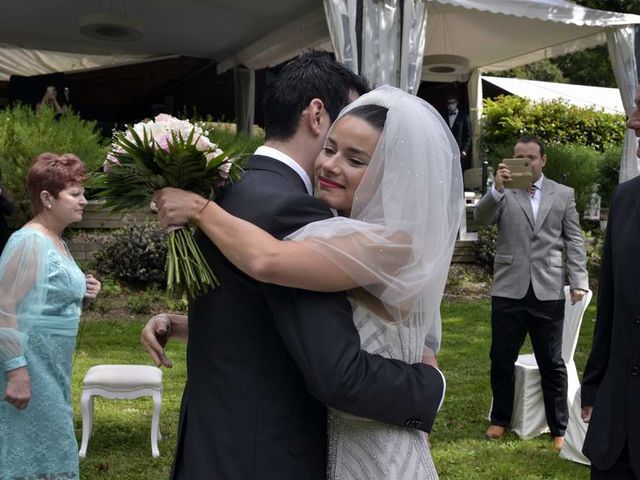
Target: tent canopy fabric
x: 498, y: 35
x: 491, y: 34
x: 213, y: 30
x: 30, y: 62
x: 606, y: 99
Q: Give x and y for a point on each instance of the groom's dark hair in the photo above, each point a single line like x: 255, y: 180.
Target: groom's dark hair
x: 308, y: 76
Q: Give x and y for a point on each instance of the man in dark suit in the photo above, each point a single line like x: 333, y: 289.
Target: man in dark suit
x: 460, y: 126
x: 263, y: 360
x: 611, y: 384
x: 535, y: 227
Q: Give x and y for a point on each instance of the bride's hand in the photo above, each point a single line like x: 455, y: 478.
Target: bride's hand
x: 430, y: 359
x: 177, y: 207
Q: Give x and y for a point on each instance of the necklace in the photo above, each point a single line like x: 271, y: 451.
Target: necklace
x: 51, y: 234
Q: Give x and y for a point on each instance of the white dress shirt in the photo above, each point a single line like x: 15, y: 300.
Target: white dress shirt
x: 535, y: 199
x: 287, y: 160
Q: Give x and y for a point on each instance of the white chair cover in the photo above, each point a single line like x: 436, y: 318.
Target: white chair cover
x: 529, y: 419
x: 576, y: 431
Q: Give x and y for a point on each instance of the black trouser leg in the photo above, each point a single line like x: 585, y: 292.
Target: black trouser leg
x: 508, y: 331
x: 545, y: 321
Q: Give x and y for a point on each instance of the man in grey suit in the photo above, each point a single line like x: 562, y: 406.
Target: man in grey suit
x: 535, y: 225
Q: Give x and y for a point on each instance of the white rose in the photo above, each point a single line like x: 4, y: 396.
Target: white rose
x: 163, y: 118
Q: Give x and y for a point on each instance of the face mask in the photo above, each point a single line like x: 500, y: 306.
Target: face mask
x: 452, y: 106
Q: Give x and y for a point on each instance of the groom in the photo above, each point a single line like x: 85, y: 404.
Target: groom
x: 262, y: 360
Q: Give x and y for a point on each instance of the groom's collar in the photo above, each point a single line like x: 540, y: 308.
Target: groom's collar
x: 287, y: 160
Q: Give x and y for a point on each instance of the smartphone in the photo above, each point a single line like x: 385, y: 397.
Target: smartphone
x: 520, y: 172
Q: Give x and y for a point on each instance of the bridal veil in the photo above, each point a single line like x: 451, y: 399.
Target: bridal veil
x: 399, y: 239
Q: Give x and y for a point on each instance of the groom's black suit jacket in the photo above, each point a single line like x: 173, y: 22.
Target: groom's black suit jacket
x: 263, y: 360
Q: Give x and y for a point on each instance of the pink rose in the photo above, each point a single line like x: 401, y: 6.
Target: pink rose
x: 224, y: 169
x: 163, y: 118
x: 203, y: 144
x: 162, y: 141
x: 111, y: 160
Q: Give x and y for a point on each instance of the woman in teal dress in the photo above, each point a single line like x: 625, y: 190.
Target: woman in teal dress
x: 41, y: 295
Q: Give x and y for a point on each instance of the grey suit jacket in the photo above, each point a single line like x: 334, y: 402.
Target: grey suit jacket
x: 529, y: 252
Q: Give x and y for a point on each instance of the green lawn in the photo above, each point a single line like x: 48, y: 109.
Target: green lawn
x: 459, y: 447
x: 120, y: 446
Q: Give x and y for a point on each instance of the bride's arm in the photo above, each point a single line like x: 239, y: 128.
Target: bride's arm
x: 251, y: 249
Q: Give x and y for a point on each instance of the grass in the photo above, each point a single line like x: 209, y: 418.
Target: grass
x: 459, y: 448
x: 120, y: 445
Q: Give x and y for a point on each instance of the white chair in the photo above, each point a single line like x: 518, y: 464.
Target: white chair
x: 576, y: 431
x: 528, y: 419
x: 121, y: 381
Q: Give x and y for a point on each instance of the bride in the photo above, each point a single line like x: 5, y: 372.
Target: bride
x: 390, y: 169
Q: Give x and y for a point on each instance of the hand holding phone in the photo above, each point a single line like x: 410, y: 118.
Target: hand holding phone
x: 520, y: 175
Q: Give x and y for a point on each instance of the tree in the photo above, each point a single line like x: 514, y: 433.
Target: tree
x: 623, y: 6
x: 587, y: 67
x: 544, y: 70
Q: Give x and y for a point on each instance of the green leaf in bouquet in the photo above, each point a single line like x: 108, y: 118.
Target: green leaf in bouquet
x: 145, y: 150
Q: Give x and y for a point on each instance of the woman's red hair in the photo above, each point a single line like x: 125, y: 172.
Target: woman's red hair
x: 53, y: 173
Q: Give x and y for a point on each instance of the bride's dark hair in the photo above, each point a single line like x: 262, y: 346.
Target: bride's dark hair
x: 374, y: 115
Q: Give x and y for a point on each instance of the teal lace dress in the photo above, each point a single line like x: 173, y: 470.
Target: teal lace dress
x: 41, y: 292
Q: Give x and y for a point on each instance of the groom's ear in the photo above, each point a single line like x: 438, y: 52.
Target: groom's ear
x: 316, y: 117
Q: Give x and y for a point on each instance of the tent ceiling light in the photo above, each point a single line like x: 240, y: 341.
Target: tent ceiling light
x: 113, y: 28
x: 446, y: 64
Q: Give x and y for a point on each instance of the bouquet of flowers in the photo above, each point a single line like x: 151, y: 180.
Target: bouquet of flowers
x: 167, y: 152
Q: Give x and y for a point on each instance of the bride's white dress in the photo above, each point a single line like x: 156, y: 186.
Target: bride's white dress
x: 362, y: 449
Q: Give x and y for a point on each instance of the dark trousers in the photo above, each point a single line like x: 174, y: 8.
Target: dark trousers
x: 621, y: 470
x: 511, y: 319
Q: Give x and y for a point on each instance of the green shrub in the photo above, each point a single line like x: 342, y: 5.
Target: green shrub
x: 228, y: 141
x: 609, y: 173
x: 135, y: 255
x: 25, y: 133
x: 556, y: 122
x: 176, y: 306
x: 143, y: 302
x: 594, y: 242
x: 495, y: 152
x: 110, y: 288
x: 485, y: 246
x: 575, y: 166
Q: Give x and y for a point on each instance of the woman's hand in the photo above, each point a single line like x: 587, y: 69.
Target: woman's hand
x: 93, y: 286
x: 18, y: 392
x: 585, y: 414
x: 177, y: 207
x: 430, y: 359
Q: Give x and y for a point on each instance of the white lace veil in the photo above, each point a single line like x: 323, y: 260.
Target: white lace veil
x: 399, y: 239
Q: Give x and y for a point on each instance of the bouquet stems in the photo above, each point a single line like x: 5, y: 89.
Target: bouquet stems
x: 188, y: 273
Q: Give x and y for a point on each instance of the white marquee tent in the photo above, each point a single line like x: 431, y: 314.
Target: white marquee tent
x: 454, y: 39
x: 601, y: 98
